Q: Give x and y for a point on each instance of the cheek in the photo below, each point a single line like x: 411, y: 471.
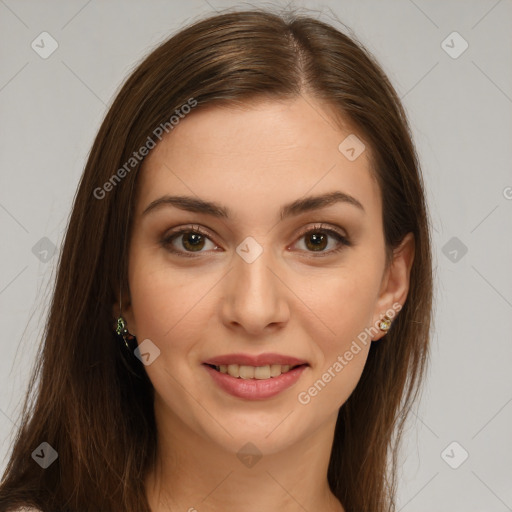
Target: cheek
x: 163, y: 301
x: 171, y: 302
x: 344, y: 300
x: 331, y: 386
x: 341, y: 344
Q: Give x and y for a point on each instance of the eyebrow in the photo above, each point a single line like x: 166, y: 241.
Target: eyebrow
x: 302, y: 205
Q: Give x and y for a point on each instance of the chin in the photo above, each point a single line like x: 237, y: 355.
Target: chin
x: 269, y: 432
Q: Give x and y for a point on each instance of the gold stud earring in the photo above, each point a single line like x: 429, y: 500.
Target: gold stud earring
x: 385, y: 323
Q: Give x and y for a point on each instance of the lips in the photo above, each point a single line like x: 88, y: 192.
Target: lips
x: 255, y: 377
x: 254, y: 388
x: 255, y: 360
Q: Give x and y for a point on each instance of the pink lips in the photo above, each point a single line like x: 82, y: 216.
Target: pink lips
x: 259, y: 360
x: 255, y: 389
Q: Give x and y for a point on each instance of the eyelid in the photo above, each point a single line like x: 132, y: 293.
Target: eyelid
x: 323, y: 227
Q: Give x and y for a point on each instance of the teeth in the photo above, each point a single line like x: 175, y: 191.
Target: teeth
x: 233, y: 370
x: 275, y: 370
x: 246, y: 372
x: 254, y: 372
x: 262, y: 372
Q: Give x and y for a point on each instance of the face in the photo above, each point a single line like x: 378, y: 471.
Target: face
x: 263, y: 279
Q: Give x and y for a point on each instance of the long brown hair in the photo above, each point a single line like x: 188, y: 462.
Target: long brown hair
x: 92, y: 403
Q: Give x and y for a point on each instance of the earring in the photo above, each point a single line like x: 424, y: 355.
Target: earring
x: 122, y: 331
x: 385, y: 323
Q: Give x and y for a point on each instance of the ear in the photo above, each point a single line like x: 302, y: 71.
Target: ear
x: 395, y: 281
x: 127, y: 313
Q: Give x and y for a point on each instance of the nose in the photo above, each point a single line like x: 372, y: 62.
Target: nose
x: 254, y: 295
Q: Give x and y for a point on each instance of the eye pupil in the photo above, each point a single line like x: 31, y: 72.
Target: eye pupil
x: 318, y: 240
x: 195, y: 240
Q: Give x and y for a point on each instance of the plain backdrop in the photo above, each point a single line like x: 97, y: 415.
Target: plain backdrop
x: 450, y: 62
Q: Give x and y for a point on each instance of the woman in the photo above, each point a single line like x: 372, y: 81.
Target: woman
x: 241, y: 315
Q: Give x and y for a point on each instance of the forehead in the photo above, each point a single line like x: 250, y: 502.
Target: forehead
x: 263, y: 153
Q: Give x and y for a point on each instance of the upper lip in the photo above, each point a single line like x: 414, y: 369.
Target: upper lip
x: 255, y: 360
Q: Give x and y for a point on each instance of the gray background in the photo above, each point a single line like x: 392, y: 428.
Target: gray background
x: 460, y: 113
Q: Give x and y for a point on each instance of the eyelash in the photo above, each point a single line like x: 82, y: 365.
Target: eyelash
x: 168, y: 239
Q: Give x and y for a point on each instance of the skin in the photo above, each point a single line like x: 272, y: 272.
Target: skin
x: 290, y: 300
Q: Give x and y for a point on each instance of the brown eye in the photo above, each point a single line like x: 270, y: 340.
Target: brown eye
x: 316, y: 240
x: 186, y: 241
x: 192, y: 241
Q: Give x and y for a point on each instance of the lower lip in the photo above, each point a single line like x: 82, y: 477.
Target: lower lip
x: 255, y: 389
